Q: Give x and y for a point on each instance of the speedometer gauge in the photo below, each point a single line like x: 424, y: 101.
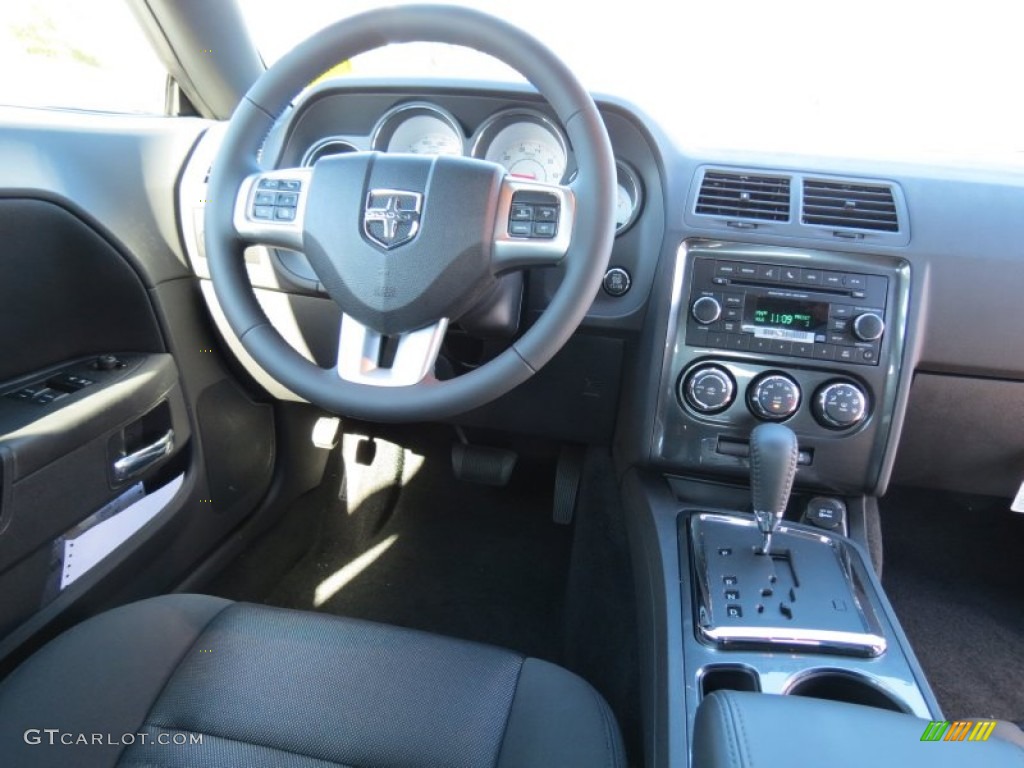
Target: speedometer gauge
x: 526, y: 144
x: 419, y: 129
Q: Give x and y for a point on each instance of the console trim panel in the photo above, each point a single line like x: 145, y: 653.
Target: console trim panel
x: 868, y: 641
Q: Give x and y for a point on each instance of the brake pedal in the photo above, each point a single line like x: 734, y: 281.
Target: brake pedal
x: 567, y: 483
x: 483, y: 464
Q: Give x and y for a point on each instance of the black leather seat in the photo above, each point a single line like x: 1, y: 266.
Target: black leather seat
x: 271, y: 687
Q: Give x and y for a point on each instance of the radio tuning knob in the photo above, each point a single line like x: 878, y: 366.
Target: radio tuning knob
x: 706, y: 310
x: 868, y: 327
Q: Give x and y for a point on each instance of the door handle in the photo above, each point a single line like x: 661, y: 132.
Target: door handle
x: 134, y: 464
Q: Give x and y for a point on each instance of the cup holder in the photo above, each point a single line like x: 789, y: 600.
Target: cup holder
x: 849, y: 687
x: 728, y: 677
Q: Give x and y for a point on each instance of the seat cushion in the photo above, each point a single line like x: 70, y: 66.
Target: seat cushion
x: 142, y: 684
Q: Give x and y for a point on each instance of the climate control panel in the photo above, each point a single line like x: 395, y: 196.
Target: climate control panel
x: 711, y: 388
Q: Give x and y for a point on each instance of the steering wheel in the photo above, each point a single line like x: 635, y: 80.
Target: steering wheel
x: 406, y: 243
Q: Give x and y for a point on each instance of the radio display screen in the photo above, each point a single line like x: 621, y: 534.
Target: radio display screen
x: 772, y: 312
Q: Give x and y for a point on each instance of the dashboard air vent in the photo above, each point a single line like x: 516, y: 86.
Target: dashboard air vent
x: 744, y: 196
x: 854, y: 206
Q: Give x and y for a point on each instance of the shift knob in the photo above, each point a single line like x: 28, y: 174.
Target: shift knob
x: 773, y: 460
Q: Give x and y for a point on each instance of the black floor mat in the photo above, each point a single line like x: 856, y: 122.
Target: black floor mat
x: 954, y: 573
x: 460, y: 559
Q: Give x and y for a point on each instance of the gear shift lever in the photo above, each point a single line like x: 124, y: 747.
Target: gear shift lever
x: 773, y: 459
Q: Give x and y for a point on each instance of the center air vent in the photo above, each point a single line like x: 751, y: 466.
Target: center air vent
x: 855, y: 206
x: 744, y: 196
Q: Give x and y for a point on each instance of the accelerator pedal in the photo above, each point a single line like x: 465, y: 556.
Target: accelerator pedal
x: 567, y: 483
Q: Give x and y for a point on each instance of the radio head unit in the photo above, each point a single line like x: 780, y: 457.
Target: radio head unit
x: 785, y: 310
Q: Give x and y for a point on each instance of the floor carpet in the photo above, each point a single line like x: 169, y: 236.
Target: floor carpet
x: 954, y: 572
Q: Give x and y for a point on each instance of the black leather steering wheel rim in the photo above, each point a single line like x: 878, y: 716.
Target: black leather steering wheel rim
x: 584, y: 264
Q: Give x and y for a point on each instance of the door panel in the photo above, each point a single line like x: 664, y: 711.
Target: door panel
x: 91, y: 264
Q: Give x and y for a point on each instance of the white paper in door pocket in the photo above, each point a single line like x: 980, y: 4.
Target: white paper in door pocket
x: 115, y: 523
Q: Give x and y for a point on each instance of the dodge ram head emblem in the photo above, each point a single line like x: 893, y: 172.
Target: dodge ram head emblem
x: 392, y: 216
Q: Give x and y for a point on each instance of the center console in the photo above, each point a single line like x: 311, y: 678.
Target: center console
x: 756, y: 334
x: 781, y: 370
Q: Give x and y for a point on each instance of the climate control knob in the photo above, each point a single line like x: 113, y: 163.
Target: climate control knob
x: 840, y: 405
x: 868, y: 327
x: 706, y: 310
x: 708, y: 389
x: 774, y: 397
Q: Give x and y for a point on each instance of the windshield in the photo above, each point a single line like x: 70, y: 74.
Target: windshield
x: 875, y: 77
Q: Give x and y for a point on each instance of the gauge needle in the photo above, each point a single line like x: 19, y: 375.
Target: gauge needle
x: 524, y: 176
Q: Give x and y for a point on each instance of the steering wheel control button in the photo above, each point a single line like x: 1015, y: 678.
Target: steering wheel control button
x: 840, y: 405
x: 534, y: 215
x: 276, y: 200
x: 706, y: 310
x: 617, y: 282
x: 774, y: 397
x: 708, y: 389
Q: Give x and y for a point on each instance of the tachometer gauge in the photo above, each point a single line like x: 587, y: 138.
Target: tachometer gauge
x: 526, y: 144
x: 419, y: 129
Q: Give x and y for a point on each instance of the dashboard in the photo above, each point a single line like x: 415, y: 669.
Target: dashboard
x: 816, y: 291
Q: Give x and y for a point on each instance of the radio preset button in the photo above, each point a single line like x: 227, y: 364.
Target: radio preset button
x: 803, y: 350
x: 706, y: 310
x: 739, y: 341
x: 717, y: 340
x: 824, y: 352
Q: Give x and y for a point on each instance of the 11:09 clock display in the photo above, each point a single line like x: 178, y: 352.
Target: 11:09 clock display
x: 773, y: 312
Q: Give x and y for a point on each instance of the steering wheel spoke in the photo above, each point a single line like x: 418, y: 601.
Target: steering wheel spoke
x: 368, y: 357
x: 270, y: 207
x: 534, y: 224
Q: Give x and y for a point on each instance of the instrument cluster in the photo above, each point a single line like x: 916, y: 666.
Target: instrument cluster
x: 524, y: 141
